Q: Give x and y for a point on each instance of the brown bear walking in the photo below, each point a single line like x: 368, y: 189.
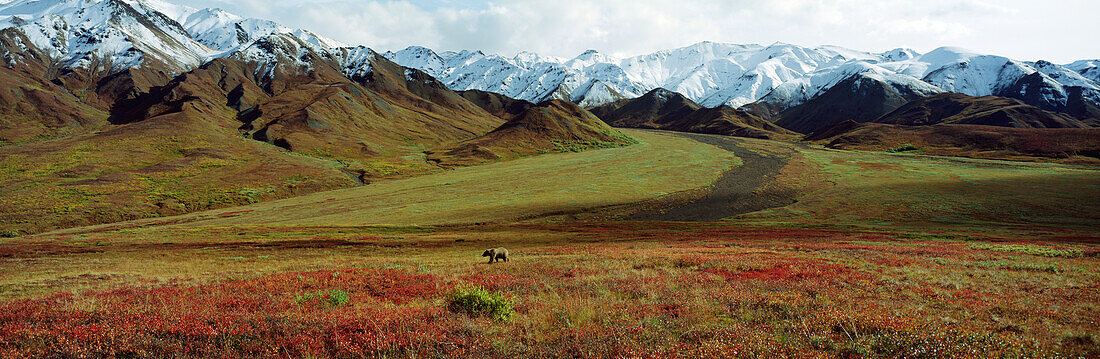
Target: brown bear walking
x: 496, y: 254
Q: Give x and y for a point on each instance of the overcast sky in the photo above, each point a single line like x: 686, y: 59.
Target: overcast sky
x: 1056, y: 30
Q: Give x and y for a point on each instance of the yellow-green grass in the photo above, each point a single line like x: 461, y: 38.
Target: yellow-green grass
x: 110, y: 177
x: 661, y: 164
x: 846, y: 188
x: 888, y: 190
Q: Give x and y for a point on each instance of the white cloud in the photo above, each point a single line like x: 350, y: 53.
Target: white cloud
x: 1056, y: 30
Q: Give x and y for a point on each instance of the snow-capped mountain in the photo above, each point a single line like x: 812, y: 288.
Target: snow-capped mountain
x: 123, y: 34
x: 797, y: 91
x: 113, y: 34
x: 714, y: 74
x: 224, y: 32
x: 1090, y: 69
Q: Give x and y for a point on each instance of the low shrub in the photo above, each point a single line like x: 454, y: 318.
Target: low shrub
x: 903, y: 148
x: 333, y: 297
x: 10, y: 233
x: 474, y: 300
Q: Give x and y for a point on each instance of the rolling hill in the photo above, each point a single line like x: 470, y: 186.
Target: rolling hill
x: 551, y: 126
x: 1060, y: 145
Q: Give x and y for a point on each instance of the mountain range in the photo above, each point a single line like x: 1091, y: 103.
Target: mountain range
x: 779, y: 75
x: 130, y: 35
x: 149, y: 108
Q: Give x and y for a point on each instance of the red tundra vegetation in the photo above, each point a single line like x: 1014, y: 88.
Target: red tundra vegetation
x: 606, y: 290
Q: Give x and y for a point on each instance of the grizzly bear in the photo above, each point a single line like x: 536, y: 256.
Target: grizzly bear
x: 496, y: 254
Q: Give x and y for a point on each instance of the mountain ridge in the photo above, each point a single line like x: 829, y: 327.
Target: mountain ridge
x: 713, y: 73
x: 710, y: 73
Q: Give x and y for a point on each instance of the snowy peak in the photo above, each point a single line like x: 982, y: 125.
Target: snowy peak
x: 129, y: 33
x: 84, y: 33
x: 899, y: 54
x: 529, y: 59
x: 947, y: 55
x: 1064, y: 76
x: 277, y: 53
x: 1090, y: 69
x: 588, y: 58
x: 172, y: 11
x: 223, y: 31
x: 595, y: 93
x: 799, y: 91
x: 357, y: 62
x: 418, y: 57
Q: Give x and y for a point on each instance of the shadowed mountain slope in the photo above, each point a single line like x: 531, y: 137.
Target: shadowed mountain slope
x: 667, y: 110
x: 497, y: 104
x: 953, y: 108
x: 857, y: 98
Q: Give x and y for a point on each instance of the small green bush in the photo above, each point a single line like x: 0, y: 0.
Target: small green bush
x: 903, y: 148
x: 334, y: 297
x: 475, y: 300
x: 10, y: 233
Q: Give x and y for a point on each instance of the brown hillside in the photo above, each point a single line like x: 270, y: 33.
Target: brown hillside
x: 953, y: 108
x: 377, y: 123
x: 551, y: 126
x: 32, y: 106
x: 211, y: 138
x: 45, y: 100
x: 1062, y: 145
x: 499, y: 105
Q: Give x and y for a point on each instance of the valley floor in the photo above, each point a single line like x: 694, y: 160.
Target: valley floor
x: 817, y: 253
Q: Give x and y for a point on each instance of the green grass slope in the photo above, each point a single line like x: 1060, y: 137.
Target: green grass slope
x: 660, y: 164
x: 829, y: 188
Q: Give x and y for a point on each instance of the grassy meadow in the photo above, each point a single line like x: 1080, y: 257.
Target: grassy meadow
x: 879, y: 255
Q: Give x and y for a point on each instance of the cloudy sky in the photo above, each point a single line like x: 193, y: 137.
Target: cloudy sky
x: 1055, y: 30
